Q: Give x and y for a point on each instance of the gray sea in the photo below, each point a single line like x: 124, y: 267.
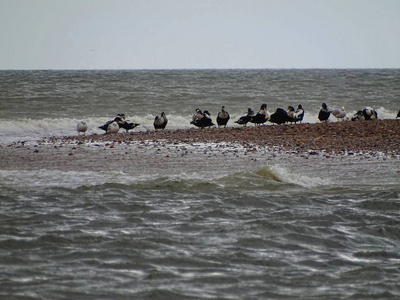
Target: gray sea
x: 220, y: 221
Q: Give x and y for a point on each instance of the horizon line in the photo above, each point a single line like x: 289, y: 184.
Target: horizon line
x: 195, y: 69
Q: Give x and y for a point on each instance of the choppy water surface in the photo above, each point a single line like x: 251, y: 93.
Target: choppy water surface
x: 227, y: 225
x: 49, y: 103
x: 266, y: 232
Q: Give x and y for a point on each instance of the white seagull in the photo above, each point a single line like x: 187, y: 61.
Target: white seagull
x: 339, y: 113
x: 81, y: 127
x: 113, y: 127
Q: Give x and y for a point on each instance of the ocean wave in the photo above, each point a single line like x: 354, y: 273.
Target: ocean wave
x: 265, y: 178
x: 26, y: 179
x: 280, y: 174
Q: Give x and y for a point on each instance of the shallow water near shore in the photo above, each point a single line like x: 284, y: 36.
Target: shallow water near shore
x: 232, y: 224
x: 194, y: 220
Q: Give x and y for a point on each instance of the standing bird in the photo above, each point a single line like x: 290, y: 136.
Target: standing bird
x: 370, y: 114
x: 261, y: 117
x: 122, y: 123
x: 113, y: 127
x: 280, y: 116
x: 105, y: 126
x: 339, y: 113
x: 299, y: 114
x: 366, y: 114
x: 324, y: 113
x: 245, y: 119
x: 127, y: 126
x: 201, y: 119
x: 81, y: 127
x: 358, y: 116
x: 160, y: 122
x: 291, y: 114
x: 197, y: 116
x: 223, y: 117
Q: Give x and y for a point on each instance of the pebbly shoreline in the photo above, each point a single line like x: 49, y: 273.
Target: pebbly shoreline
x: 377, y: 135
x: 175, y: 149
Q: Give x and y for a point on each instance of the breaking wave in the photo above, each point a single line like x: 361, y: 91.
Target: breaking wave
x: 262, y: 179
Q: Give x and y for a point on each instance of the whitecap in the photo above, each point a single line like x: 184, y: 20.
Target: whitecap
x: 281, y: 174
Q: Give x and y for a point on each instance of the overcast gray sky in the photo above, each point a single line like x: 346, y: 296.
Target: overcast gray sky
x: 159, y: 34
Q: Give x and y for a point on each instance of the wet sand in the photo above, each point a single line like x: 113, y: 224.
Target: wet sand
x: 153, y: 149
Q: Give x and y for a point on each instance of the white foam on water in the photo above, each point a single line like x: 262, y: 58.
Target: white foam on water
x: 21, y: 179
x: 44, y: 178
x: 281, y: 174
x: 26, y: 129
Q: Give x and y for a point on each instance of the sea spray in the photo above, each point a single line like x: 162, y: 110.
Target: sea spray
x: 281, y: 174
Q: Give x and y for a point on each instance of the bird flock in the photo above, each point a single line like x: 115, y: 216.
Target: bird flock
x: 366, y: 113
x: 203, y: 119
